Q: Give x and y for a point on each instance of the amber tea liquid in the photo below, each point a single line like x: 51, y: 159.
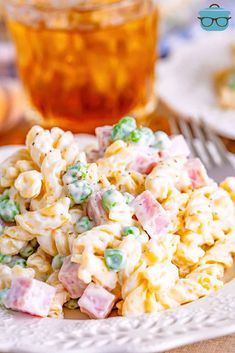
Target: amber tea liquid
x: 86, y: 68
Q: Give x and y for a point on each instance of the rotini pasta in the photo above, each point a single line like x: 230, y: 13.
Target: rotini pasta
x: 40, y: 262
x: 141, y: 228
x: 7, y: 274
x: 46, y: 219
x: 13, y: 240
x: 29, y: 184
x: 10, y: 169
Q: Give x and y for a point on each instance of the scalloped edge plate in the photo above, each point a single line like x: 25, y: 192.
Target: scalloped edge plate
x: 207, y: 318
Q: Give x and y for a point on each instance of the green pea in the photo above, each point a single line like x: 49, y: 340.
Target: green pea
x: 72, y: 304
x: 4, y: 197
x: 83, y: 225
x: 3, y: 295
x: 123, y: 128
x: 27, y: 251
x: 143, y: 136
x: 128, y: 198
x: 79, y: 191
x: 161, y: 140
x: 12, y: 261
x: 57, y: 262
x: 111, y: 198
x: 231, y: 81
x: 134, y: 136
x: 9, y: 210
x: 5, y: 259
x: 131, y: 231
x: 17, y: 261
x: 114, y: 259
x: 75, y: 172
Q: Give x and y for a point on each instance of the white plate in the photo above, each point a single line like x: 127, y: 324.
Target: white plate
x: 206, y: 318
x: 185, y: 80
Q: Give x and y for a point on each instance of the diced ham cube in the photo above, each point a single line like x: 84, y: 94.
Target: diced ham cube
x: 92, y: 155
x: 197, y: 173
x: 150, y: 214
x: 96, y: 302
x: 95, y: 209
x: 68, y: 276
x: 30, y: 296
x: 143, y: 164
x: 178, y: 147
x: 103, y: 135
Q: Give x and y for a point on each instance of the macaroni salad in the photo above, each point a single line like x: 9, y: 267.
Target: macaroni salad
x: 134, y: 225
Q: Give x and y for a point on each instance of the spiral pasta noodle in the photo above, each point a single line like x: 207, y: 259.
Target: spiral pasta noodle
x: 141, y: 228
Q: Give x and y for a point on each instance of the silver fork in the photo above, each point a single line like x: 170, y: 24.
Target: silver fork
x: 206, y: 145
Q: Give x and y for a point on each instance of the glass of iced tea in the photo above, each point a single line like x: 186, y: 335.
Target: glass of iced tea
x: 85, y: 63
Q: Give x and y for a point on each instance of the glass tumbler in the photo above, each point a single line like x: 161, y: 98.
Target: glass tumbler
x: 86, y: 63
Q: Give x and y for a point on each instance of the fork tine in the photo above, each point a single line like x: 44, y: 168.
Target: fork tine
x: 217, y: 143
x: 176, y: 130
x: 187, y: 132
x: 173, y: 125
x: 198, y: 133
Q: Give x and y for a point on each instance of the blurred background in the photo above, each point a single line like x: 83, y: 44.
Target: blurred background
x: 110, y: 67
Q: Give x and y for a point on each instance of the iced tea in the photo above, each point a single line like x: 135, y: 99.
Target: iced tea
x: 87, y: 63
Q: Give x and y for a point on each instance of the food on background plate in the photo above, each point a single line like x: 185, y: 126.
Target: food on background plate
x: 134, y: 224
x: 225, y: 84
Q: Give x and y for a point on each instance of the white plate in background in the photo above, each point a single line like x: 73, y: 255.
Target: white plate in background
x: 185, y: 80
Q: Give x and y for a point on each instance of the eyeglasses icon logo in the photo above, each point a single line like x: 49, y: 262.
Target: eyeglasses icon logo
x: 214, y: 18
